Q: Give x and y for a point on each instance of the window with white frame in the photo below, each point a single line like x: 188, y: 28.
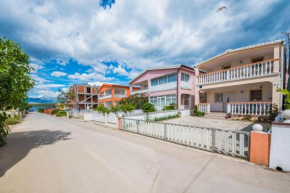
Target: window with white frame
x: 163, y: 100
x: 256, y: 95
x: 164, y: 80
x: 185, y: 77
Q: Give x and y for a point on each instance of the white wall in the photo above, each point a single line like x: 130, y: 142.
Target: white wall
x: 239, y: 96
x: 280, y: 147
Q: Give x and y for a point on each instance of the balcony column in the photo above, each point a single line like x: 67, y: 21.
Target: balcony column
x: 276, y: 62
x: 113, y: 96
x: 197, y: 90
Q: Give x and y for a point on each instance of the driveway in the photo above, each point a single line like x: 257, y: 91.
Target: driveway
x: 215, y: 123
x: 56, y: 155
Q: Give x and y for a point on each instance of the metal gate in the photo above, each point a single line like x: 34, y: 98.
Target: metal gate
x: 235, y: 143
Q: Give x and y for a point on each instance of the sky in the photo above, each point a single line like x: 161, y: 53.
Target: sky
x: 112, y: 41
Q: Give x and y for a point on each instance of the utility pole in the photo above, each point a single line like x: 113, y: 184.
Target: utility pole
x: 288, y: 37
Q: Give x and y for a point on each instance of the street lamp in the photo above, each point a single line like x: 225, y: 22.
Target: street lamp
x: 288, y: 37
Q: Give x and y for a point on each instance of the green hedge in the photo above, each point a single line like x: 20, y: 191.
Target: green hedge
x: 41, y: 110
x: 165, y: 118
x: 61, y: 114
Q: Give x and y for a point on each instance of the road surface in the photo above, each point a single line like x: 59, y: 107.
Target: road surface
x: 56, y: 155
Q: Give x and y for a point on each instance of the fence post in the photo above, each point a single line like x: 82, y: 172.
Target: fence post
x: 118, y: 123
x: 137, y: 126
x: 213, y: 140
x: 106, y: 118
x: 165, y: 131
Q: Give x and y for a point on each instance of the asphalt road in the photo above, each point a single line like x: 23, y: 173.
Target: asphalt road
x: 48, y: 154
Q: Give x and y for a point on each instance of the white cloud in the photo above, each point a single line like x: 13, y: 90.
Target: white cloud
x: 47, y: 86
x: 120, y: 71
x: 89, y: 76
x: 141, y: 34
x: 58, y: 74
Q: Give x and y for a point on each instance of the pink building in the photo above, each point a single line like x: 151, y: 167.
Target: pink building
x: 166, y: 85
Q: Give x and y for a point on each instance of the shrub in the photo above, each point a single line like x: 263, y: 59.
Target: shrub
x: 138, y: 100
x: 198, y: 113
x: 273, y: 111
x: 54, y: 111
x: 172, y: 106
x: 248, y: 117
x: 102, y: 109
x: 12, y: 120
x: 41, y: 110
x: 129, y: 107
x: 61, y: 114
x: 148, y: 107
x: 165, y: 117
x: 115, y: 109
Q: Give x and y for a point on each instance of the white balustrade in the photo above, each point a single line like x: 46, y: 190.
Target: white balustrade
x: 204, y: 107
x: 139, y: 91
x: 263, y: 68
x: 249, y: 108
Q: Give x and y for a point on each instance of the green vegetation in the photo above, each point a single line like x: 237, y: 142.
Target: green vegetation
x: 61, y: 114
x: 198, y: 113
x: 54, y: 111
x: 165, y: 117
x: 15, y: 81
x: 127, y: 108
x: 273, y: 111
x: 286, y: 93
x: 102, y: 109
x: 41, y: 110
x: 148, y: 107
x: 115, y: 109
x: 137, y: 100
x: 170, y: 107
x: 12, y: 120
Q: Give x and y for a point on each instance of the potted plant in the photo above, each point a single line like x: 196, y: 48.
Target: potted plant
x: 286, y: 113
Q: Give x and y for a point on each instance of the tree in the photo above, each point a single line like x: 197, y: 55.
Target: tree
x: 138, y: 100
x: 148, y: 107
x: 67, y: 98
x: 115, y: 109
x: 102, y: 109
x: 286, y: 93
x: 15, y: 81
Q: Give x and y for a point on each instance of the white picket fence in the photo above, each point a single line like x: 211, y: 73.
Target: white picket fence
x: 228, y: 142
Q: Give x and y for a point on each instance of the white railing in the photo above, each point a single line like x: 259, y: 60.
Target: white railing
x: 259, y: 69
x: 230, y: 142
x: 161, y: 87
x: 139, y: 91
x: 204, y: 107
x: 120, y: 95
x: 105, y: 96
x: 249, y: 108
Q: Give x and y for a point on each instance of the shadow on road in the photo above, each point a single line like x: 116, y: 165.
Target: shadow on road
x: 20, y: 143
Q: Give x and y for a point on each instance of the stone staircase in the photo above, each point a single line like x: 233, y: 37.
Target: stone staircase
x: 216, y: 115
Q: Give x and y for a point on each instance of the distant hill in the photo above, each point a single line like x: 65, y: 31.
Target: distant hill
x: 41, y: 100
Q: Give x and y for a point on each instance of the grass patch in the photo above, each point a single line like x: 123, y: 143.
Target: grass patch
x: 165, y: 117
x: 12, y: 120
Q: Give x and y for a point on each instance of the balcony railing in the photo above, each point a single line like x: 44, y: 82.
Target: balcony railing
x: 139, y: 91
x: 105, y: 96
x: 162, y: 87
x: 249, y: 108
x: 258, y: 69
x: 120, y: 95
x: 204, y: 107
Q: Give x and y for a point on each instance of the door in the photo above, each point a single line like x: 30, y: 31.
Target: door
x: 160, y: 102
x: 228, y: 97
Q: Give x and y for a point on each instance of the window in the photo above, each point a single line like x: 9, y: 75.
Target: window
x: 226, y: 67
x: 256, y: 95
x: 184, y: 77
x: 153, y: 100
x: 172, y: 78
x: 184, y: 99
x: 154, y: 82
x: 219, y: 97
x: 163, y: 80
x: 88, y: 90
x: 255, y: 60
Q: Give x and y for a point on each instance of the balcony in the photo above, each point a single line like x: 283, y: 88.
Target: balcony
x: 162, y: 87
x: 260, y: 69
x: 120, y: 95
x: 139, y: 91
x: 105, y: 96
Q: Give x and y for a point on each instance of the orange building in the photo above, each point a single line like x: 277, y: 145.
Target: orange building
x: 111, y: 94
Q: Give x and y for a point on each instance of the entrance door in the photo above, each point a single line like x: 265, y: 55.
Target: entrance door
x: 161, y: 102
x: 228, y: 97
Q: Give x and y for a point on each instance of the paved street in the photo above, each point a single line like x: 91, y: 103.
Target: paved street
x: 54, y: 155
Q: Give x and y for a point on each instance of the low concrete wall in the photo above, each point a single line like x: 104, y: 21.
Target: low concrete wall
x: 280, y: 146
